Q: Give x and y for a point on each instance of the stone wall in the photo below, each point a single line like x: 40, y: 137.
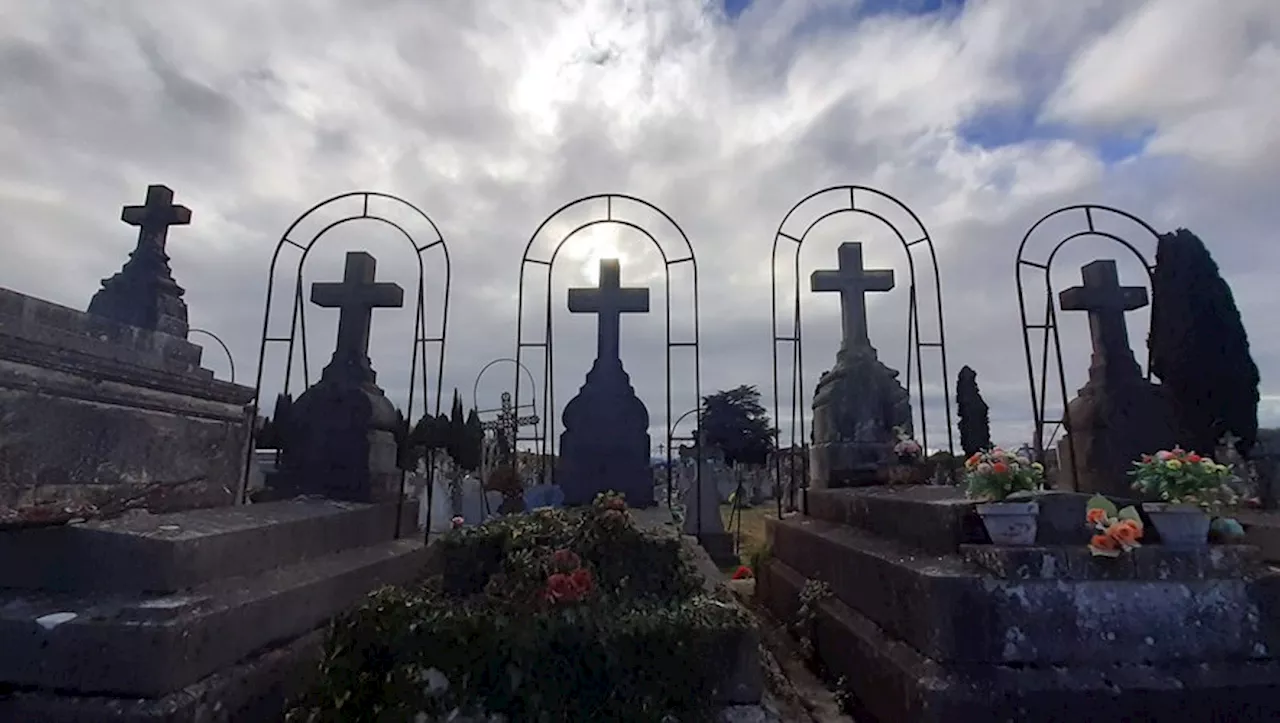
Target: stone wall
x: 101, y: 413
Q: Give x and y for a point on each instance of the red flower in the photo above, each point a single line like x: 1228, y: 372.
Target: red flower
x: 582, y: 581
x: 565, y: 560
x: 1193, y: 458
x: 615, y: 503
x: 742, y: 573
x: 1000, y: 468
x: 561, y: 588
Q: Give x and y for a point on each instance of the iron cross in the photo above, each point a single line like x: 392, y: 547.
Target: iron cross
x: 507, y: 423
x: 609, y: 301
x: 853, y: 282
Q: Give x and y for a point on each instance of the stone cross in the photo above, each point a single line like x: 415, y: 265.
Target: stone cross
x: 155, y: 216
x: 507, y: 423
x: 610, y: 301
x: 853, y: 282
x: 356, y: 296
x: 1106, y: 301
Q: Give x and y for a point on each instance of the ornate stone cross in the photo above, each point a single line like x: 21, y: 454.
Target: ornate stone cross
x: 853, y: 282
x: 143, y: 293
x: 610, y: 301
x: 1106, y: 301
x: 356, y: 296
x: 507, y: 423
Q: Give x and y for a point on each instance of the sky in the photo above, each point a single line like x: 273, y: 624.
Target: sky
x: 980, y: 117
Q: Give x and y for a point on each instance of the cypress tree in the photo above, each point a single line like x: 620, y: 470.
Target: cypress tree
x: 973, y: 413
x: 473, y: 442
x: 281, y: 421
x: 457, y: 434
x: 1198, y: 346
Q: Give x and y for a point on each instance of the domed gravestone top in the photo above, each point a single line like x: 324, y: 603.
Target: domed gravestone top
x: 857, y: 404
x: 1117, y: 415
x: 340, y: 442
x: 605, y: 444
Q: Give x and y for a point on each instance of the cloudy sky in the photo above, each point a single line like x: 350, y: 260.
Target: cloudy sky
x: 980, y: 116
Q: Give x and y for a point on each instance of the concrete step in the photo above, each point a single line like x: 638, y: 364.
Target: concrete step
x: 983, y: 609
x: 893, y: 682
x: 176, y: 551
x: 149, y: 646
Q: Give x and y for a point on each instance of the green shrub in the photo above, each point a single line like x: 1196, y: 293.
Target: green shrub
x: 552, y: 616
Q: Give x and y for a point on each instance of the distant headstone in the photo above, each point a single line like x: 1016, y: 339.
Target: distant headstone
x: 857, y: 404
x: 1118, y: 415
x: 605, y: 444
x: 342, y: 442
x: 702, y: 519
x: 143, y: 293
x: 473, y: 502
x: 436, y: 507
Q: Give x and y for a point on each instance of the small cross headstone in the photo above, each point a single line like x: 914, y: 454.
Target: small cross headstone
x: 507, y: 424
x: 852, y: 282
x: 143, y: 293
x: 1106, y: 302
x: 356, y: 296
x: 609, y: 301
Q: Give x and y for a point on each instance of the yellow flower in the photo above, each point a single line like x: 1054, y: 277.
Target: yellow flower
x: 1037, y: 467
x: 1173, y: 464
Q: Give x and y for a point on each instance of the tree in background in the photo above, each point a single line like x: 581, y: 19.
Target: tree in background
x: 1198, y: 346
x: 456, y: 436
x: 275, y: 429
x: 472, y: 447
x: 735, y: 422
x: 973, y: 413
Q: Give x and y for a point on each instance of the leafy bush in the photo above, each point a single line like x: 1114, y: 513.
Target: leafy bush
x: 552, y: 616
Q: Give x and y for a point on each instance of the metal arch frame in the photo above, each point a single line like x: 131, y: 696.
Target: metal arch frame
x: 231, y: 361
x: 796, y: 339
x: 298, y: 323
x: 1050, y: 324
x: 475, y: 395
x: 545, y: 344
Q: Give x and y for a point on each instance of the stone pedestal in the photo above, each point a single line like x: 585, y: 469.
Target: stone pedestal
x: 340, y: 445
x: 855, y: 408
x: 605, y: 444
x: 102, y: 414
x: 1112, y: 424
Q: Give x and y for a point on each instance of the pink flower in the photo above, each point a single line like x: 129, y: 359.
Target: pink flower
x: 1164, y: 455
x: 457, y: 522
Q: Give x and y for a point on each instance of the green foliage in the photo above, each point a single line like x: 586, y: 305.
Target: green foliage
x: 1180, y: 477
x: 994, y: 476
x: 735, y: 422
x: 972, y: 411
x: 635, y: 645
x: 1199, y: 348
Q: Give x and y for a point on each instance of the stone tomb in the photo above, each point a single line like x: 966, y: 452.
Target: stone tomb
x: 930, y: 623
x: 341, y: 438
x: 1118, y: 415
x: 605, y: 443
x: 859, y: 402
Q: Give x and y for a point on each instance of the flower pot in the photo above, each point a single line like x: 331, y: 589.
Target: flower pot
x: 1181, y: 527
x: 1010, y: 523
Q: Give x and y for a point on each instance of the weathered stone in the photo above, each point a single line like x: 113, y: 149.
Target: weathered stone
x: 935, y: 519
x: 1117, y: 415
x: 605, y: 443
x: 149, y: 646
x: 143, y: 293
x: 340, y: 442
x: 171, y: 552
x: 86, y: 401
x: 1149, y: 562
x: 702, y: 520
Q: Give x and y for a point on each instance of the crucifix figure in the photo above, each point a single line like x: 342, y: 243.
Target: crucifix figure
x: 853, y: 282
x: 1106, y: 301
x: 610, y: 301
x: 356, y: 296
x: 143, y: 293
x: 507, y: 423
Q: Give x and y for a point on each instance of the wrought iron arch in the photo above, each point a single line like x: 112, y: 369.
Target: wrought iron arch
x: 231, y: 361
x: 1049, y: 326
x: 475, y: 391
x: 298, y: 324
x: 849, y: 204
x: 547, y: 440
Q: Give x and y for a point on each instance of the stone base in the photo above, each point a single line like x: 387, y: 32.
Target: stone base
x: 1112, y: 424
x: 719, y: 545
x: 957, y: 629
x: 833, y: 465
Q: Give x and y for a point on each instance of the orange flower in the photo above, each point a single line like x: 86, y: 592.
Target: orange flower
x: 1125, y: 532
x: 1103, y: 542
x: 1096, y: 515
x: 1000, y: 468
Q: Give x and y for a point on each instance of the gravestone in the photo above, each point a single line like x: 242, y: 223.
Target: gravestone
x: 859, y: 402
x: 702, y: 519
x: 472, y: 509
x: 143, y: 293
x: 438, y: 508
x: 342, y: 442
x: 1118, y: 415
x: 506, y: 426
x: 605, y: 443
